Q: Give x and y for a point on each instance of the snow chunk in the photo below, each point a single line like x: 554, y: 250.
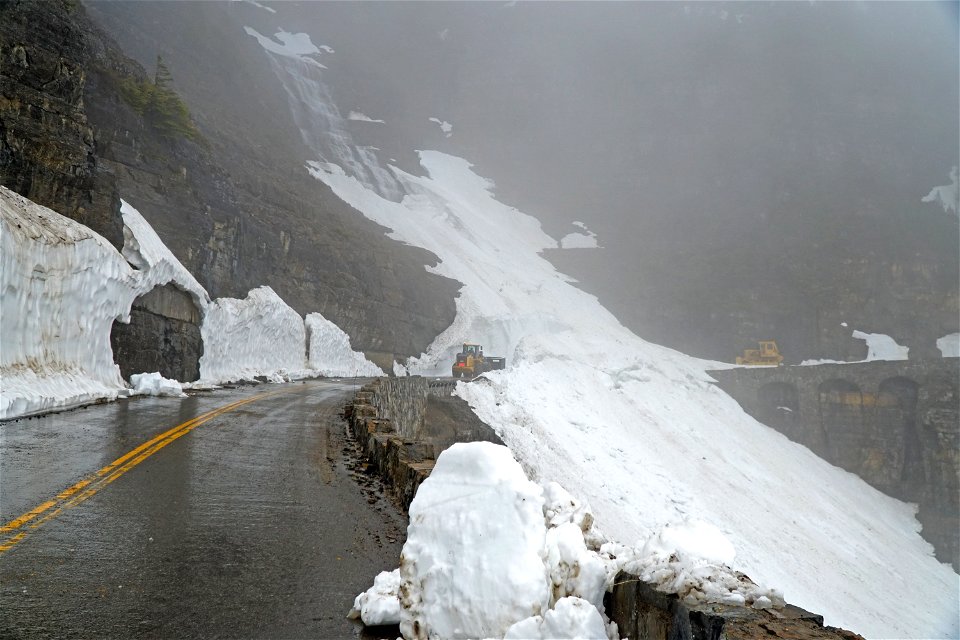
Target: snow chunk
x: 380, y: 604
x: 445, y: 126
x: 949, y: 345
x: 472, y: 564
x: 572, y: 618
x: 881, y: 347
x: 947, y: 196
x: 154, y: 384
x: 330, y: 353
x: 574, y: 571
x: 362, y: 117
x: 257, y: 336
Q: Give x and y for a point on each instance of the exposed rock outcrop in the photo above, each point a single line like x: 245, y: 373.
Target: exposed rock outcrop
x: 163, y: 335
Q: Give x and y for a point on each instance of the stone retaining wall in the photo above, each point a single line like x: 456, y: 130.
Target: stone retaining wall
x: 640, y: 611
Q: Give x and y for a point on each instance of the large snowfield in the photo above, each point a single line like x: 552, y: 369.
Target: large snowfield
x: 639, y: 432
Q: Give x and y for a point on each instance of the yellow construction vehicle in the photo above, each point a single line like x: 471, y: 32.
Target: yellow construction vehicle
x: 471, y: 362
x: 767, y: 354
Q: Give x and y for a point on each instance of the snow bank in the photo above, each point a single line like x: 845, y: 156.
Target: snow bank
x: 639, y: 431
x: 949, y: 345
x: 257, y: 336
x: 330, y: 353
x: 948, y: 195
x: 881, y: 347
x: 154, y: 384
x: 472, y: 564
x: 63, y: 286
x: 154, y: 263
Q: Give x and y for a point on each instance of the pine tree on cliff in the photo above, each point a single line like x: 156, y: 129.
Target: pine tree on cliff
x: 160, y: 105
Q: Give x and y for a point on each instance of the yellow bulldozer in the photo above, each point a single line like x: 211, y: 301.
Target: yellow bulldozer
x: 471, y: 362
x: 767, y: 354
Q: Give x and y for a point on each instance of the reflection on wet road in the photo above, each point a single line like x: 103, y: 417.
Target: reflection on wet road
x: 139, y: 519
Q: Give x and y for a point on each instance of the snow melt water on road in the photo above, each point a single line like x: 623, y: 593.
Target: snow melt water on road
x: 639, y: 431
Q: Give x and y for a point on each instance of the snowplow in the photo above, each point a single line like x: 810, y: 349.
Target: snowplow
x: 471, y: 362
x: 767, y: 354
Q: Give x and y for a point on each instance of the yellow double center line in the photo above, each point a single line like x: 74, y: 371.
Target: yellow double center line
x: 18, y: 528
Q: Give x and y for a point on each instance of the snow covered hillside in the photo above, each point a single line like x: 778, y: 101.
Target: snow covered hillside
x: 638, y: 431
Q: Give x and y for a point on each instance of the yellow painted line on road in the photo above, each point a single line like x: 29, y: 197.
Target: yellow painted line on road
x: 89, y: 486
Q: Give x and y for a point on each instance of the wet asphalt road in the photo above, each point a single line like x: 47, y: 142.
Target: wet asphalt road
x: 257, y: 523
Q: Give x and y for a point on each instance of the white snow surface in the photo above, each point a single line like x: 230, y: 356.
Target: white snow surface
x: 257, y: 336
x: 380, y: 604
x: 362, y: 117
x: 948, y: 195
x: 639, y: 431
x: 63, y: 287
x: 330, y: 353
x: 472, y: 564
x: 154, y: 384
x: 949, y: 345
x: 572, y: 618
x: 881, y: 347
x: 155, y: 264
x: 445, y: 126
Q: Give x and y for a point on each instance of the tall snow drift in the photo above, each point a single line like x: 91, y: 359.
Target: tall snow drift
x: 62, y: 287
x: 257, y: 336
x: 640, y: 431
x: 330, y: 353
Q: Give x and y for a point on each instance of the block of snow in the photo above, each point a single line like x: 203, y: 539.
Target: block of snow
x: 572, y: 618
x: 380, y: 604
x: 472, y: 564
x: 154, y: 384
x: 330, y: 353
x: 63, y: 286
x: 257, y: 336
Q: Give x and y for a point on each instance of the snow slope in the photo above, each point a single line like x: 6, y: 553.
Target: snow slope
x: 330, y: 353
x: 639, y: 431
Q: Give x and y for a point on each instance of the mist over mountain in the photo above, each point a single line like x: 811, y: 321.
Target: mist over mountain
x: 751, y: 170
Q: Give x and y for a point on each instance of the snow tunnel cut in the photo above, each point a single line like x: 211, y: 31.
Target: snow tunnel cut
x: 163, y: 335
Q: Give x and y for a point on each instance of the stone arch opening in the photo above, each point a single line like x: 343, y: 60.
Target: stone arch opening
x: 779, y: 406
x: 163, y: 335
x: 897, y: 416
x: 841, y: 419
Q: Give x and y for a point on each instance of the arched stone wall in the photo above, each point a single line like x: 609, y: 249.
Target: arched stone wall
x: 840, y: 407
x: 897, y: 415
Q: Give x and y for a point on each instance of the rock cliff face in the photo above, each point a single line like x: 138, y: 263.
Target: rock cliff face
x: 47, y: 147
x: 163, y: 335
x: 237, y: 212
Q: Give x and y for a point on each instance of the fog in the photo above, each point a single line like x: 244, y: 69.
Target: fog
x: 750, y: 148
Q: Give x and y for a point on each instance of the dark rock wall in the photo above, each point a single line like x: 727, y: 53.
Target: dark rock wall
x: 47, y: 147
x: 163, y: 335
x: 895, y: 424
x: 241, y: 211
x: 236, y: 206
x: 643, y: 613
